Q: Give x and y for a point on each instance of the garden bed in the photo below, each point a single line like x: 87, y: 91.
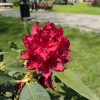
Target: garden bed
x: 43, y: 6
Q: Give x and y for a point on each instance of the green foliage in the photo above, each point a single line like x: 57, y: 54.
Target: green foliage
x: 1, y: 98
x: 5, y: 98
x: 16, y: 75
x: 3, y: 53
x: 26, y: 28
x: 1, y: 56
x: 45, y: 7
x: 34, y: 91
x: 18, y: 67
x: 96, y: 3
x: 15, y: 3
x: 7, y: 83
x: 6, y: 80
x: 84, y: 52
x: 14, y: 47
x: 8, y: 94
x: 73, y: 81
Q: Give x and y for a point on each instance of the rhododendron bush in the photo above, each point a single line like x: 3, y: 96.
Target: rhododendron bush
x: 46, y: 6
x: 47, y: 51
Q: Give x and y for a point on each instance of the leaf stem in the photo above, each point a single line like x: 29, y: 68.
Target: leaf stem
x: 20, y: 88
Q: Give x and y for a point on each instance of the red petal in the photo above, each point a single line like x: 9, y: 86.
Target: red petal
x: 52, y: 46
x: 58, y: 67
x: 43, y: 53
x: 31, y: 65
x: 46, y: 82
x: 52, y: 86
x: 18, y: 86
x: 24, y: 55
x: 65, y: 57
x: 46, y: 71
x: 27, y: 40
x: 35, y: 28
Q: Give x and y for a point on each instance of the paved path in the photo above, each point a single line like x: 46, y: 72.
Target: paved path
x: 83, y: 21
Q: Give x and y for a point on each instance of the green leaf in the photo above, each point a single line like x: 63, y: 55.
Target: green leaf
x: 7, y: 83
x: 8, y: 94
x: 7, y: 88
x: 26, y: 28
x: 1, y: 98
x: 34, y: 91
x: 11, y: 73
x: 16, y: 75
x: 18, y: 67
x: 6, y: 80
x: 14, y: 47
x: 5, y: 98
x: 2, y: 56
x: 73, y: 81
x: 12, y: 44
x: 3, y: 53
x: 17, y: 50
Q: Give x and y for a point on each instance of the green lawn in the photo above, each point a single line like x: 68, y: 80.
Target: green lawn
x: 80, y: 8
x: 85, y: 54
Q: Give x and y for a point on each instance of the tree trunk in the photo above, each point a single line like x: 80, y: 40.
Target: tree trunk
x: 66, y: 1
x: 4, y: 0
x: 96, y: 3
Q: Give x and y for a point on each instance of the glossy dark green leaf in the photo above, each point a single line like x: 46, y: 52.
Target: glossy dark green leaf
x: 18, y: 67
x: 34, y: 91
x: 7, y: 83
x: 73, y: 81
x: 6, y: 80
x: 7, y: 88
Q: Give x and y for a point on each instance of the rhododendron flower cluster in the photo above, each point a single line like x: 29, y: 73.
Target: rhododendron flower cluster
x: 45, y: 4
x: 46, y: 49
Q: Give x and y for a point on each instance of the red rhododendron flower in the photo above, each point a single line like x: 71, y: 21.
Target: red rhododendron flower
x: 46, y: 82
x: 46, y: 49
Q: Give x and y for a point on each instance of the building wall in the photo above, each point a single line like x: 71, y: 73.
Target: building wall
x: 80, y: 1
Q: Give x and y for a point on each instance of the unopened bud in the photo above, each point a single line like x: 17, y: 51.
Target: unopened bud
x: 3, y: 70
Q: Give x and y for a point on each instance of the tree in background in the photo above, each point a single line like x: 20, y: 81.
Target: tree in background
x: 96, y: 3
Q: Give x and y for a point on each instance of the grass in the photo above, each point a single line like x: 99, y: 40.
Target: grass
x: 15, y: 8
x: 85, y: 54
x: 79, y: 8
